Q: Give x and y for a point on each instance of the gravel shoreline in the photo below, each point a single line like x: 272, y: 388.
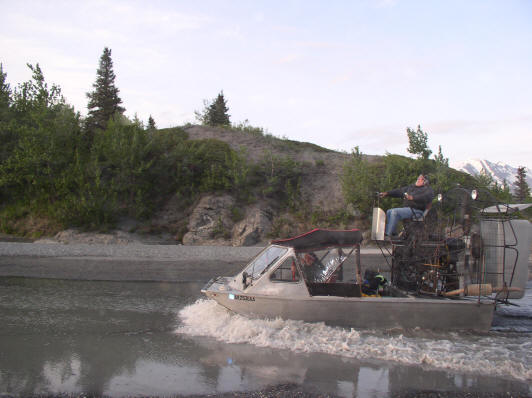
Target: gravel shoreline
x: 137, y: 261
x: 131, y: 262
x: 161, y: 252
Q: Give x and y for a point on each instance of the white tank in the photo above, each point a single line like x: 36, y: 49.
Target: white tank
x: 506, y: 243
x: 378, y: 224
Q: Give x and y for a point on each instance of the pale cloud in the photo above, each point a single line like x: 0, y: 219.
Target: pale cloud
x: 165, y: 20
x: 445, y: 127
x: 258, y: 17
x: 25, y: 50
x: 36, y: 28
x: 383, y: 137
x: 169, y: 118
x: 386, y: 3
x: 342, y: 78
x: 324, y: 45
x: 258, y: 99
x: 233, y: 32
x: 286, y: 29
x: 288, y: 59
x: 371, y: 140
x: 31, y: 25
x: 409, y: 72
x: 520, y: 127
x: 177, y: 22
x: 116, y: 21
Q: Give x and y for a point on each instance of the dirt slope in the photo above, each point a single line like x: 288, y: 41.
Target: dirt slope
x: 320, y: 183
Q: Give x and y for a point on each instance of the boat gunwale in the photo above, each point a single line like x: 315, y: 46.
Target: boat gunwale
x: 382, y: 299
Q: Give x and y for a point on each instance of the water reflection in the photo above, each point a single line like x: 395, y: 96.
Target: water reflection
x: 118, y: 339
x: 59, y: 336
x: 254, y: 367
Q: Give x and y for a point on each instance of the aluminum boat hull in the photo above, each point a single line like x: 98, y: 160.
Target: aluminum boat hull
x: 364, y: 312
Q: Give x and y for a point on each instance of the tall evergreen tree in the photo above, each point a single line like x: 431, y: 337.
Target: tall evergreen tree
x: 217, y: 112
x: 151, y: 123
x: 522, y: 190
x: 441, y: 171
x: 5, y: 94
x: 440, y: 159
x: 5, y: 115
x: 501, y: 192
x: 104, y: 101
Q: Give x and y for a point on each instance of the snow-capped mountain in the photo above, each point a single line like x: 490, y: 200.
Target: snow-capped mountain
x: 499, y: 171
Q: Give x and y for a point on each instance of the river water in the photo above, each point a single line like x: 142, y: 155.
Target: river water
x: 164, y: 339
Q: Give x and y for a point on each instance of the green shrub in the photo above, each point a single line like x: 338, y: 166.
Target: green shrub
x: 237, y: 214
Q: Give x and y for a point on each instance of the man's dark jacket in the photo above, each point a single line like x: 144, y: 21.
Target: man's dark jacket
x: 422, y: 195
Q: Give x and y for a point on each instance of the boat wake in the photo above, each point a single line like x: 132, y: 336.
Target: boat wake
x: 492, y: 354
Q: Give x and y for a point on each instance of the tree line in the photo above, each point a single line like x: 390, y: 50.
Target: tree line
x: 59, y: 169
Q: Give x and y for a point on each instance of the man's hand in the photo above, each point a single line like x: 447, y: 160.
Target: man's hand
x: 383, y: 194
x: 409, y: 197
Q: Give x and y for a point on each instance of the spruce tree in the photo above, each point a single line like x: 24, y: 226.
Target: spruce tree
x: 522, y: 190
x: 5, y: 94
x: 217, y: 112
x: 5, y: 115
x: 151, y: 123
x: 104, y: 101
x: 440, y: 159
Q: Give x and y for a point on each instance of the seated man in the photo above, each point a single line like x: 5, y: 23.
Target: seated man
x: 417, y: 197
x: 309, y: 262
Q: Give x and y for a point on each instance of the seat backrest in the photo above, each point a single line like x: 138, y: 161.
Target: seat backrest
x: 422, y: 218
x: 427, y: 209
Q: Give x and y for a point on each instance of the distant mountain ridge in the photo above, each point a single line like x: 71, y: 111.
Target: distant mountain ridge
x: 499, y: 171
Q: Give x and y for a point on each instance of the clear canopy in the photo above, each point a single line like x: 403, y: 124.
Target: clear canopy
x: 320, y: 266
x: 264, y: 260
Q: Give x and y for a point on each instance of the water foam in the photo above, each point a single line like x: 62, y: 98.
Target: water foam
x: 494, y: 355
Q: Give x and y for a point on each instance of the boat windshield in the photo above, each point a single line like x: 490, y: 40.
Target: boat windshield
x: 265, y: 260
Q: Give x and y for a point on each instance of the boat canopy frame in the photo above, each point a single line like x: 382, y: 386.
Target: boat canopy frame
x: 319, y: 239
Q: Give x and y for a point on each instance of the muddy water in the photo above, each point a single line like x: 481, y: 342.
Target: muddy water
x: 129, y: 338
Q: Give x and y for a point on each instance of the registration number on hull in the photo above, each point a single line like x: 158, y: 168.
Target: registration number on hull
x: 242, y: 298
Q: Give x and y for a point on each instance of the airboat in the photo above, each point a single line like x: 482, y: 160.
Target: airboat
x: 448, y: 270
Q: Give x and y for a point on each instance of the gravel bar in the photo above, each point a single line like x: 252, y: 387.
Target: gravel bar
x: 131, y: 262
x: 162, y: 252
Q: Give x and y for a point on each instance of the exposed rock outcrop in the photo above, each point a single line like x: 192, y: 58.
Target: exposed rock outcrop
x: 210, y: 222
x: 254, y: 227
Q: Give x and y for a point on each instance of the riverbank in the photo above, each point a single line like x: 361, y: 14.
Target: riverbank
x: 138, y: 262
x: 134, y: 262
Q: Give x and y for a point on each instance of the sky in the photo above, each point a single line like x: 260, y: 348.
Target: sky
x: 335, y: 73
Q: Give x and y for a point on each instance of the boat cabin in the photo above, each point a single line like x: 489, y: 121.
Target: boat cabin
x: 317, y: 263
